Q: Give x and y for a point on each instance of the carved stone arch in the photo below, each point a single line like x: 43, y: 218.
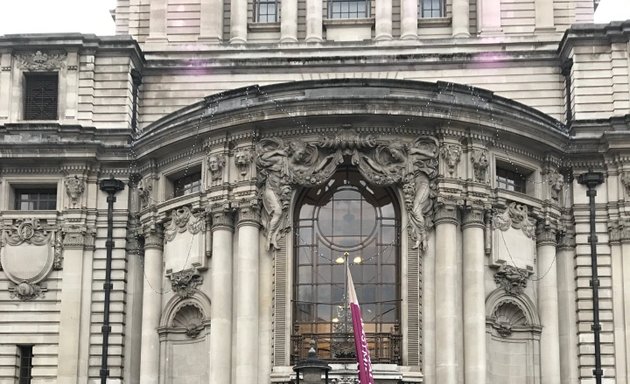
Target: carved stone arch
x: 176, y: 304
x: 499, y: 297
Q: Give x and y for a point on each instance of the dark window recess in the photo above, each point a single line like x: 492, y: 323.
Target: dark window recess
x: 187, y: 184
x: 348, y: 9
x: 431, y: 9
x: 40, y: 96
x: 26, y: 363
x: 35, y: 199
x: 511, y: 181
x: 266, y: 11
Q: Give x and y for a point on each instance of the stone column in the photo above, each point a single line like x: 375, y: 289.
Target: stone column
x: 544, y: 15
x: 238, y: 22
x: 625, y: 250
x: 151, y: 306
x: 548, y: 306
x: 619, y: 329
x: 314, y: 21
x: 157, y: 21
x: 211, y: 28
x: 408, y: 19
x: 474, y: 296
x: 383, y: 22
x: 288, y: 21
x: 445, y: 295
x: 70, y: 311
x: 461, y: 18
x: 488, y: 16
x: 221, y: 316
x: 567, y: 317
x: 247, y: 296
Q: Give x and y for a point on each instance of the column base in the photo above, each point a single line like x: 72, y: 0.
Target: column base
x: 383, y: 37
x: 314, y: 39
x: 288, y: 40
x: 210, y: 39
x: 409, y: 36
x: 237, y: 41
x: 461, y: 34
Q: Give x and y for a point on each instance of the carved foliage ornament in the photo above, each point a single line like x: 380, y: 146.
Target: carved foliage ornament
x: 185, y: 282
x: 480, y: 162
x: 75, y: 187
x: 182, y: 220
x: 282, y: 166
x: 512, y: 279
x: 41, y: 61
x: 515, y: 216
x: 625, y: 181
x: 27, y: 231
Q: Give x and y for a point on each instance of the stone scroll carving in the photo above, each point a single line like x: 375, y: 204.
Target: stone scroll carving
x: 515, y: 216
x: 29, y: 251
x: 284, y: 165
x: 182, y: 220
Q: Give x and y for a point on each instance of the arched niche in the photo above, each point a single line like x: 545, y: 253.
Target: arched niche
x: 185, y: 340
x: 513, y: 339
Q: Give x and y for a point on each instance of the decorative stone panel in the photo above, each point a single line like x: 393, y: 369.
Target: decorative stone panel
x: 514, y: 237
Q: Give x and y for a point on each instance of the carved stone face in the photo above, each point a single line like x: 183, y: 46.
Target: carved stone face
x: 213, y: 164
x: 241, y: 158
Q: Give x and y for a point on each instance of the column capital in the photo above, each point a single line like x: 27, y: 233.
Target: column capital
x: 75, y: 236
x: 249, y: 215
x: 154, y: 237
x: 566, y: 240
x: 473, y: 216
x: 546, y: 235
x: 446, y: 214
x: 222, y: 220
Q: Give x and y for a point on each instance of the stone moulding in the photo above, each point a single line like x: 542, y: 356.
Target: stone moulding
x: 285, y: 165
x: 182, y: 220
x: 515, y: 216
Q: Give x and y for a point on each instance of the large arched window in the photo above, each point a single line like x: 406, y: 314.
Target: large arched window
x: 346, y: 219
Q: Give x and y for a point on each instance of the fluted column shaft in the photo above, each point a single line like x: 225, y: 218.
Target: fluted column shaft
x: 288, y: 21
x: 247, y: 296
x: 445, y: 295
x: 157, y: 20
x: 408, y: 19
x: 238, y: 21
x: 461, y: 9
x: 211, y: 28
x: 221, y: 312
x: 548, y: 306
x: 313, y: 21
x: 474, y: 297
x: 151, y: 307
x: 567, y: 318
x: 383, y: 22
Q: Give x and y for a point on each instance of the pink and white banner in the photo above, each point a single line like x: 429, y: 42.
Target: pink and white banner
x: 360, y: 342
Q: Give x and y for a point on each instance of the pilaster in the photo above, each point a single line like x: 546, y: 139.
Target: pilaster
x: 314, y: 21
x: 288, y: 21
x: 408, y: 19
x: 461, y: 10
x: 238, y: 22
x: 567, y: 319
x: 383, y: 22
x: 157, y: 21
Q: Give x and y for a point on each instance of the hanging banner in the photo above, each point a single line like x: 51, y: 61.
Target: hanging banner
x: 360, y: 342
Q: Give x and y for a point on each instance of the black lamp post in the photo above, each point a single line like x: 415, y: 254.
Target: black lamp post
x: 312, y: 369
x: 110, y: 186
x: 592, y: 180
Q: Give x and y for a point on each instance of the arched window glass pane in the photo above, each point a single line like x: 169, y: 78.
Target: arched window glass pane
x: 346, y: 221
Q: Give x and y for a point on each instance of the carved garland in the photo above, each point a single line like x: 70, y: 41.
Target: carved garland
x: 283, y: 166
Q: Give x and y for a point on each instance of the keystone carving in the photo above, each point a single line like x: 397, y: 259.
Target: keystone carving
x: 451, y: 153
x: 74, y: 188
x: 283, y: 166
x: 515, y: 216
x: 512, y: 279
x: 185, y: 282
x: 182, y: 220
x: 41, y: 61
x: 480, y: 162
x: 216, y: 163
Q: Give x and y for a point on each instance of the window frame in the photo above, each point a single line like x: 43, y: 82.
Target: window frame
x: 30, y: 76
x: 39, y: 192
x: 330, y: 12
x: 192, y: 183
x: 421, y: 9
x: 22, y: 360
x: 524, y: 177
x: 257, y: 14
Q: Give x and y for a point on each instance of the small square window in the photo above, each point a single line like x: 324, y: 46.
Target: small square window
x: 430, y: 9
x: 40, y: 96
x: 511, y: 180
x: 25, y: 364
x: 348, y: 9
x: 266, y: 11
x: 187, y: 184
x: 35, y: 199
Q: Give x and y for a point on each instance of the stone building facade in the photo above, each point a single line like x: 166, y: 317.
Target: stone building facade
x: 433, y: 146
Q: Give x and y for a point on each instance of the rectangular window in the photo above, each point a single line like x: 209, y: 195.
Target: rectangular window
x: 35, y: 199
x: 40, y: 96
x: 25, y: 364
x: 348, y: 9
x: 266, y: 11
x: 187, y: 184
x: 431, y: 9
x: 511, y: 180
